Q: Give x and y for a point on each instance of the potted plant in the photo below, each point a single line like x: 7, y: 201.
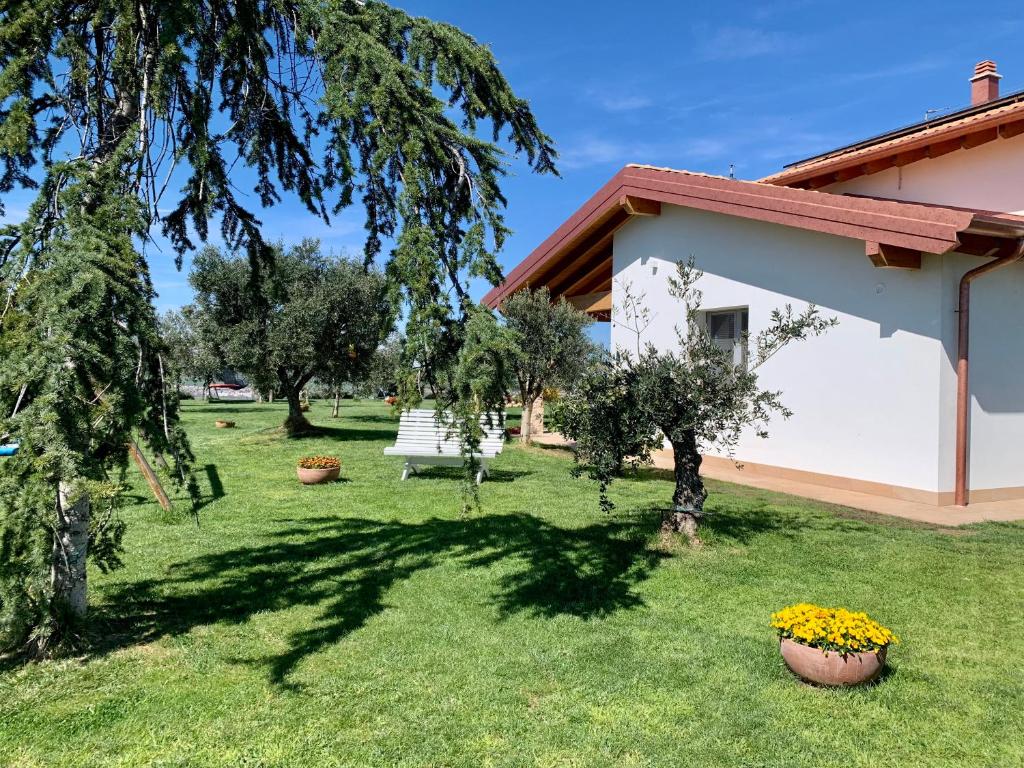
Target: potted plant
x: 313, y: 470
x: 831, y: 646
x: 223, y: 424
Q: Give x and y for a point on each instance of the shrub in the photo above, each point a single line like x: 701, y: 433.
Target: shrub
x: 832, y: 629
x: 319, y: 462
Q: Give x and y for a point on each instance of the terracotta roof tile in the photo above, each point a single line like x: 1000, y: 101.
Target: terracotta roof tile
x: 583, y: 239
x: 927, y: 135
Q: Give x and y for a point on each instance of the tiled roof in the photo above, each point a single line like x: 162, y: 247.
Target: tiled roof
x: 1006, y: 120
x: 582, y: 243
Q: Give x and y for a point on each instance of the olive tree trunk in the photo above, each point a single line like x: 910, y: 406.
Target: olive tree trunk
x: 296, y: 422
x: 337, y: 404
x: 526, y: 421
x: 70, y: 547
x: 689, y: 495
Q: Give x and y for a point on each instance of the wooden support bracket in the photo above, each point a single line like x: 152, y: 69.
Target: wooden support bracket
x: 892, y: 256
x: 638, y: 206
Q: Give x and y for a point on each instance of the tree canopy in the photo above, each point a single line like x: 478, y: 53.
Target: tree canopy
x: 695, y: 396
x: 550, y: 345
x: 309, y: 315
x: 192, y: 348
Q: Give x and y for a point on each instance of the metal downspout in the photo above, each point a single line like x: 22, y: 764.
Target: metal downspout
x: 963, y: 369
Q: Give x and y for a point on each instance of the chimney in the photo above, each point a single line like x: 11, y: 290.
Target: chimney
x: 985, y: 83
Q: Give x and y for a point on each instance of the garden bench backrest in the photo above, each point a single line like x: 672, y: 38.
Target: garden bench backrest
x: 420, y: 434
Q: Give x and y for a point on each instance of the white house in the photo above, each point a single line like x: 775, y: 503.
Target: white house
x: 879, y: 234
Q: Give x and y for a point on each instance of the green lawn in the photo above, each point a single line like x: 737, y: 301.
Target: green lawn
x: 369, y: 623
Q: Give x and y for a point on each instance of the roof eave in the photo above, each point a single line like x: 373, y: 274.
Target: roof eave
x: 568, y: 260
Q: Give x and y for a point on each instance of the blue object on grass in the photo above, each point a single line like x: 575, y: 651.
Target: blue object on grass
x: 9, y: 450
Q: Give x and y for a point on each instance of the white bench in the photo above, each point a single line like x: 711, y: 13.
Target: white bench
x: 422, y: 440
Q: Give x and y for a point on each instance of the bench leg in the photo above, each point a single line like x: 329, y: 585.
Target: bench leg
x: 482, y: 473
x: 410, y: 468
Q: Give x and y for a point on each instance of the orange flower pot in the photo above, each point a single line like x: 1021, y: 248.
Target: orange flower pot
x: 317, y: 476
x: 832, y: 668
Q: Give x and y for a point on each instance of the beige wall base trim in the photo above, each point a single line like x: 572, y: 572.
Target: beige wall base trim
x: 725, y: 469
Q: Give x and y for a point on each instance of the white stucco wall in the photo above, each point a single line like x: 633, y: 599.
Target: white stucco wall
x: 866, y: 396
x: 996, y: 458
x: 988, y: 177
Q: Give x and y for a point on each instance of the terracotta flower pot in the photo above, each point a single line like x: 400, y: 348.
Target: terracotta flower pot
x: 224, y: 424
x: 317, y: 476
x: 832, y: 668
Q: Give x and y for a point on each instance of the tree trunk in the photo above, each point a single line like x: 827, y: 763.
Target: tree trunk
x: 337, y: 403
x: 70, y: 547
x: 688, y: 498
x: 296, y: 422
x: 526, y: 420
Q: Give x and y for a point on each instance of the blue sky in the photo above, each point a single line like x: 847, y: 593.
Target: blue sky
x: 697, y: 86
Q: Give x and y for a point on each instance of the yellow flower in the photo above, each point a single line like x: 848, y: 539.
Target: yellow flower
x: 834, y: 629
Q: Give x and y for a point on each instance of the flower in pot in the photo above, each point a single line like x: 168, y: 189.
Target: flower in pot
x: 831, y: 646
x: 313, y: 470
x: 223, y: 424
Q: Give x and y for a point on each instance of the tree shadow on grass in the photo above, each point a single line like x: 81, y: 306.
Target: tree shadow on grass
x: 342, y: 434
x: 391, y: 421
x: 215, y: 484
x: 273, y: 434
x: 344, y: 567
x: 426, y: 472
x: 218, y: 408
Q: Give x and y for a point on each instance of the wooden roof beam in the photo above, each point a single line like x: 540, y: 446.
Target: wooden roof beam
x: 596, y: 303
x: 985, y: 245
x: 910, y: 156
x: 940, y: 148
x: 582, y: 264
x: 638, y: 206
x: 973, y: 140
x: 881, y: 164
x: 587, y: 283
x: 892, y: 256
x: 1010, y: 130
x: 845, y: 174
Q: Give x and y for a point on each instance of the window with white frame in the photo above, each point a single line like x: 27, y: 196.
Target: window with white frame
x: 728, y: 329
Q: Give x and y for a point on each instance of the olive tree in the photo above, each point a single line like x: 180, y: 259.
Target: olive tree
x: 385, y: 369
x: 550, y: 345
x: 696, y: 395
x: 298, y: 316
x: 192, y: 349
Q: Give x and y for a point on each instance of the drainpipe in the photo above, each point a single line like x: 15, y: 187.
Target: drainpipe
x: 962, y: 368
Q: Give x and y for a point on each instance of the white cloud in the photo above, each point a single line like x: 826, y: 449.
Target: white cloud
x: 592, y: 151
x: 917, y: 67
x: 589, y: 151
x: 729, y: 43
x: 624, y: 103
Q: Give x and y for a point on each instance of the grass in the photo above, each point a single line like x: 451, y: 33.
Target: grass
x: 369, y: 623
